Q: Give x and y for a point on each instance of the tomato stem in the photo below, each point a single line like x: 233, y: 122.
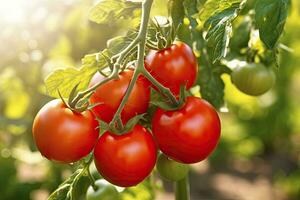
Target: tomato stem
x: 86, y: 167
x: 92, y: 180
x: 120, y: 56
x: 80, y: 95
x: 117, y: 116
x: 140, y: 68
x: 182, y: 189
x: 141, y: 41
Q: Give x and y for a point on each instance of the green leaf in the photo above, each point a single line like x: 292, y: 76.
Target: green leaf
x: 211, y: 7
x: 65, y: 190
x: 270, y: 18
x: 103, y: 126
x: 107, y: 10
x: 72, y: 94
x: 176, y: 12
x: 158, y: 100
x: 117, y: 44
x: 190, y: 9
x: 241, y: 35
x: 187, y: 32
x: 219, y: 30
x: 65, y: 80
x: 132, y: 122
x: 95, y: 60
x: 211, y: 84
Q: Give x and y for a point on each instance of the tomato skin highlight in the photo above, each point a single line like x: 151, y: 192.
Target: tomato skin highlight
x: 253, y: 79
x: 125, y: 160
x: 110, y: 95
x: 62, y: 135
x: 189, y: 134
x: 173, y: 66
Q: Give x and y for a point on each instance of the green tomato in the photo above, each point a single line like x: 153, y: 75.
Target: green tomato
x: 105, y: 191
x: 170, y: 169
x: 253, y: 79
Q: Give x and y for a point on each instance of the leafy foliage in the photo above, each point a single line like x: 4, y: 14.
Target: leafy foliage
x: 119, y: 43
x: 107, y: 10
x: 96, y: 60
x: 212, y: 7
x: 211, y: 84
x: 270, y: 17
x: 157, y: 99
x: 219, y: 31
x: 176, y: 12
x: 67, y: 189
x: 64, y: 80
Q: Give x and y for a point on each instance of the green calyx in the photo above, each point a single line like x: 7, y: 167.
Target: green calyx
x: 113, y: 126
x: 164, y: 104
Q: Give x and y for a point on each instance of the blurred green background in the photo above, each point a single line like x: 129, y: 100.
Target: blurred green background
x: 257, y: 158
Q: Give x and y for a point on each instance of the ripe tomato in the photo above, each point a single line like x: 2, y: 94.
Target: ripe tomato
x: 173, y: 66
x: 105, y: 191
x: 63, y: 135
x: 110, y: 95
x: 253, y: 79
x: 125, y: 160
x: 170, y: 169
x: 189, y: 134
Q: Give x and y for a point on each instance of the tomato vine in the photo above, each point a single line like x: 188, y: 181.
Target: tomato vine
x: 205, y: 40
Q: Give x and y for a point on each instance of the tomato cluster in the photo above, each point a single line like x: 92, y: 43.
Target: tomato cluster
x: 185, y: 135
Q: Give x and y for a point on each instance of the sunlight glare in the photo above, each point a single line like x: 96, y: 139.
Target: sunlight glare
x: 12, y: 11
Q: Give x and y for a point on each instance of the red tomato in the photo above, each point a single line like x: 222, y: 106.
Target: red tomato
x: 173, y: 66
x: 190, y: 134
x: 111, y: 93
x: 126, y: 160
x: 63, y: 135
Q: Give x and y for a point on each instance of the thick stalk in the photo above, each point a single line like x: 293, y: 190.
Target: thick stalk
x: 87, y: 169
x: 92, y: 180
x: 182, y: 189
x: 146, y: 8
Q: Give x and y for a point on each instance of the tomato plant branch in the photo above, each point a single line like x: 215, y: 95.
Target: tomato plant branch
x: 82, y: 94
x: 92, y: 180
x: 120, y: 56
x: 141, y: 40
x: 87, y: 169
x: 140, y: 68
x: 182, y: 189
